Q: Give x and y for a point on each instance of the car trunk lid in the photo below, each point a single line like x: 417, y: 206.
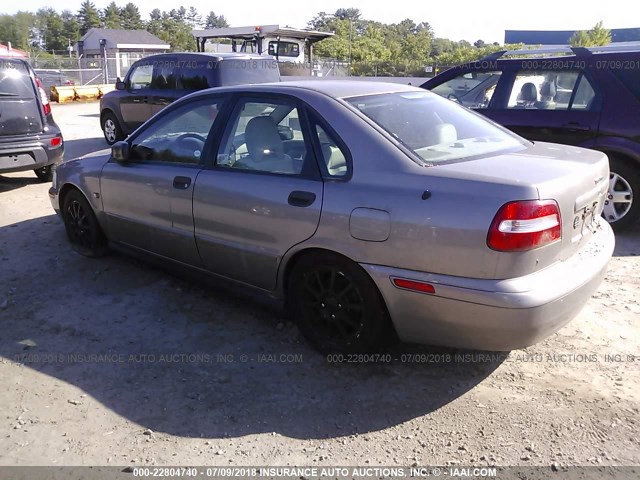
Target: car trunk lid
x: 576, y: 178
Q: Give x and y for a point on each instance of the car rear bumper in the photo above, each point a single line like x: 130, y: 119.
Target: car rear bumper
x: 24, y: 155
x: 496, y: 315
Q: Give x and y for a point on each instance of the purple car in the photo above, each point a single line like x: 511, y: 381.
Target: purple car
x: 589, y: 98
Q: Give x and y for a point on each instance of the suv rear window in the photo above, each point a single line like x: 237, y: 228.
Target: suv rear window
x: 15, y: 80
x: 630, y: 78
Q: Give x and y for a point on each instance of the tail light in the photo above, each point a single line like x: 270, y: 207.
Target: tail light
x: 525, y: 225
x: 56, y: 142
x: 46, y: 106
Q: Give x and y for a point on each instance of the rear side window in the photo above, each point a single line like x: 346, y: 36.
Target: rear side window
x: 551, y: 90
x: 15, y: 80
x: 238, y: 72
x: 197, y: 75
x: 630, y: 78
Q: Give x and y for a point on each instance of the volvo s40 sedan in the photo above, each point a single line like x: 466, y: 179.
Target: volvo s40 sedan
x: 367, y: 207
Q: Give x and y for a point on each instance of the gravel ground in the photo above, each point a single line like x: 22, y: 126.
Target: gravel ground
x: 113, y: 362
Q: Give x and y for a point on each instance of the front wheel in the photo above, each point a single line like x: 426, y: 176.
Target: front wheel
x: 337, y: 306
x: 82, y: 226
x: 622, y: 205
x: 111, y: 128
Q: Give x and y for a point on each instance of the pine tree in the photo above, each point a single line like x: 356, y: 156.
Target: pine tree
x: 131, y: 19
x: 216, y: 21
x: 111, y: 16
x: 88, y: 16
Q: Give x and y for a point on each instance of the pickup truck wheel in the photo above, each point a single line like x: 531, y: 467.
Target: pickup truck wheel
x: 336, y: 305
x: 44, y: 174
x: 111, y: 128
x: 82, y: 226
x: 622, y: 204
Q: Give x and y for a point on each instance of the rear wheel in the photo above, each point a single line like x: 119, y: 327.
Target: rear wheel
x: 622, y: 205
x: 111, y: 128
x: 337, y: 306
x: 44, y: 174
x: 82, y: 226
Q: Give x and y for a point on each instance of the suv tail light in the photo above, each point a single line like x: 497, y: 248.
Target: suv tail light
x: 46, y: 106
x: 525, y: 225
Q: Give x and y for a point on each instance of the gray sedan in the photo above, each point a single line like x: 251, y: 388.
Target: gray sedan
x: 369, y: 208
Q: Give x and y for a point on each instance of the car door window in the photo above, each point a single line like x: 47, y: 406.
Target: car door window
x: 583, y: 99
x: 471, y: 89
x: 141, y: 77
x: 333, y: 155
x: 178, y: 137
x: 164, y: 76
x: 265, y: 136
x: 551, y: 90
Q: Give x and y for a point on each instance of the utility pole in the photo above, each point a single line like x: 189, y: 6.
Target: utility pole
x: 350, y: 34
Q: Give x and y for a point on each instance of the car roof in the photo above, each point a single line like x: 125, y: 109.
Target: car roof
x: 213, y: 56
x: 331, y: 88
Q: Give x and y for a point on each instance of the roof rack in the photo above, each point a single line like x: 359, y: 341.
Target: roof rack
x: 578, y: 51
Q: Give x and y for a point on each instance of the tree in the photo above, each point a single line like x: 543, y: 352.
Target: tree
x: 215, y: 21
x: 154, y: 25
x: 18, y: 29
x: 194, y: 19
x: 595, y: 37
x: 88, y: 16
x: 479, y: 43
x: 71, y: 27
x: 111, y: 17
x: 131, y: 19
x: 352, y: 14
x: 50, y: 29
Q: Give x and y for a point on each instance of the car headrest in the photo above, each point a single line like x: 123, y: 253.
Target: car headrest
x: 529, y: 92
x: 262, y: 138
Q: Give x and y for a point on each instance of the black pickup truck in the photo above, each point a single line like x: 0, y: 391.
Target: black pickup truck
x: 154, y: 82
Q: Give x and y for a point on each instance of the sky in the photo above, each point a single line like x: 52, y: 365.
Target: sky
x: 457, y: 20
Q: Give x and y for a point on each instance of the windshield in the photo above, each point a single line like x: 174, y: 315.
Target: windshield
x: 435, y: 129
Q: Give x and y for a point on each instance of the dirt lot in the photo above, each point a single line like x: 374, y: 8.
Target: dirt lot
x: 112, y: 362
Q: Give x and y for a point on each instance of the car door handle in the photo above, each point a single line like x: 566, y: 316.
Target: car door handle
x: 136, y: 100
x: 301, y: 199
x: 181, y: 183
x: 575, y: 126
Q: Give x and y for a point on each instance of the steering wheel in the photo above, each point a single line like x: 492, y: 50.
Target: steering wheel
x: 190, y: 145
x: 195, y: 136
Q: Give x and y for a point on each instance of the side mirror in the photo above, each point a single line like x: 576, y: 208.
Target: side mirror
x: 120, y: 151
x: 119, y: 84
x: 286, y: 133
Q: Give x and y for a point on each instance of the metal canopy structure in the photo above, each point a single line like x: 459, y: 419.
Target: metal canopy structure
x: 258, y: 33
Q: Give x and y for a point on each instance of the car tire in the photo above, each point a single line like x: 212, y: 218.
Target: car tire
x: 624, y: 185
x: 336, y: 305
x: 80, y: 222
x: 111, y: 128
x: 44, y: 174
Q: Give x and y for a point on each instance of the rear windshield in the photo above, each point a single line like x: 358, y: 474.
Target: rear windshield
x: 15, y: 80
x: 630, y: 77
x: 435, y: 129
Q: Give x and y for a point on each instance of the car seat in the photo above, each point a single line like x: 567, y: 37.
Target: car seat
x: 266, y: 151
